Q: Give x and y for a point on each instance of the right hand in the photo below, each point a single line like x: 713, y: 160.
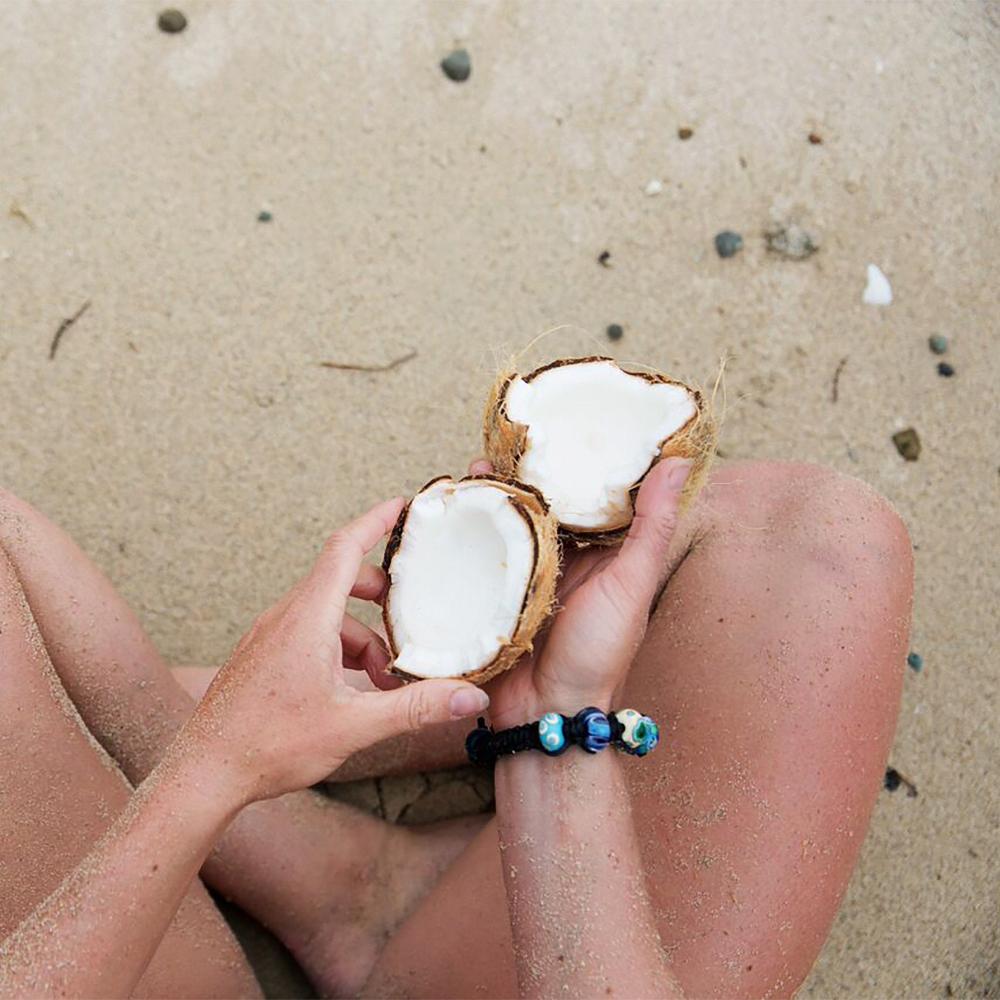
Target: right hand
x: 605, y: 594
x: 279, y: 715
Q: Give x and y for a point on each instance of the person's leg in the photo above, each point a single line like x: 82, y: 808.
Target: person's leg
x: 774, y: 663
x: 60, y: 793
x: 330, y: 881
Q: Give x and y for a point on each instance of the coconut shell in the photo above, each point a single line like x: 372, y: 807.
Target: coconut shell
x: 505, y: 442
x: 540, y: 594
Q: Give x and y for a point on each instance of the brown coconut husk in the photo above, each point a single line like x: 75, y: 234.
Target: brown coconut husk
x: 540, y: 594
x: 505, y: 442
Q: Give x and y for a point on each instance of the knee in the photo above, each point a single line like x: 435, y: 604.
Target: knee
x: 826, y: 515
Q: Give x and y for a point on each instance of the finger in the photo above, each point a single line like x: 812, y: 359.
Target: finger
x: 338, y: 566
x: 370, y: 584
x: 424, y: 703
x: 643, y: 556
x: 480, y: 467
x: 381, y: 679
x: 363, y: 644
x: 364, y: 649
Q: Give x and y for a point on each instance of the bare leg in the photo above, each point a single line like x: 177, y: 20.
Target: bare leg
x: 60, y: 793
x: 331, y: 882
x: 774, y: 661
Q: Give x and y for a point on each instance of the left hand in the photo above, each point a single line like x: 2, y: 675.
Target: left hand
x: 605, y: 596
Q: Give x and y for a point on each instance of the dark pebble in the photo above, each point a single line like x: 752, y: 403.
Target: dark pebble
x: 171, y: 21
x: 728, y: 243
x: 816, y: 139
x: 892, y: 779
x: 457, y: 66
x: 604, y: 258
x: 615, y: 332
x: 938, y: 344
x: 264, y: 215
x: 685, y: 133
x: 945, y: 370
x: 915, y: 662
x: 907, y: 443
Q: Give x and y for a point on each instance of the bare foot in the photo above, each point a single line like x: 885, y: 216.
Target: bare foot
x: 340, y: 953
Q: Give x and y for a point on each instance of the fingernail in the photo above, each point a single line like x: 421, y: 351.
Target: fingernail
x: 680, y: 469
x: 468, y: 701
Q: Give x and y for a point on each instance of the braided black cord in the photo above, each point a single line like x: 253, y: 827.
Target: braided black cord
x: 479, y: 745
x: 483, y: 745
x: 517, y: 739
x: 616, y: 729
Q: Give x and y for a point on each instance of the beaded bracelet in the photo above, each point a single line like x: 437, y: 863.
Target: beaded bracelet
x: 626, y: 730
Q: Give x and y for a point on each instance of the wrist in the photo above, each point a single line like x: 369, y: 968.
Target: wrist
x: 534, y: 705
x: 208, y: 770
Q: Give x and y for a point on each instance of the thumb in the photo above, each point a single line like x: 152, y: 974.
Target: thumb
x: 643, y: 556
x: 423, y: 703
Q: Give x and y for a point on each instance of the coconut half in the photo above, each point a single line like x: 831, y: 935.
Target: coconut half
x: 472, y: 567
x: 585, y: 432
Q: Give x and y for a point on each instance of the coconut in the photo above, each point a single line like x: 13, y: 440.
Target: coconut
x: 585, y: 432
x: 472, y: 567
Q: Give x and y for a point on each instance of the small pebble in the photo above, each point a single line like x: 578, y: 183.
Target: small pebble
x: 654, y: 187
x: 264, y: 215
x: 907, y: 443
x: 171, y: 21
x: 792, y: 241
x: 938, y: 343
x: 816, y: 139
x: 945, y: 370
x: 604, y: 258
x: 615, y: 332
x: 684, y: 133
x: 457, y: 66
x: 893, y: 780
x: 728, y: 243
x: 915, y: 662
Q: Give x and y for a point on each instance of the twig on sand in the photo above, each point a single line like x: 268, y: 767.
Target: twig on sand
x: 345, y: 366
x: 835, y: 391
x: 16, y: 212
x: 64, y: 326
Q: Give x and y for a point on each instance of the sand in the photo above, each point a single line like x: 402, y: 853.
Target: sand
x: 187, y: 435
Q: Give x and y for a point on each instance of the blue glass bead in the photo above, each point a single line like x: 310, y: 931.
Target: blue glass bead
x: 551, y: 733
x: 647, y: 733
x: 639, y: 733
x: 594, y: 728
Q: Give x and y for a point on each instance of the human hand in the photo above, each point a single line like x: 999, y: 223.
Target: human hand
x: 279, y: 715
x: 604, y: 596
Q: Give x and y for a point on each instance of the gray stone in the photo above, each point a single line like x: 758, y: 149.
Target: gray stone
x: 457, y: 66
x: 728, y: 243
x: 171, y: 21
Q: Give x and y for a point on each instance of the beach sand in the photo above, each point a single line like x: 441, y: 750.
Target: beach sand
x: 187, y: 435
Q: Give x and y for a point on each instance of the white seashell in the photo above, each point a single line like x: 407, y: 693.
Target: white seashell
x: 878, y: 291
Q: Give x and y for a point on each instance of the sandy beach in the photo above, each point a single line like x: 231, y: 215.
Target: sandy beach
x: 186, y: 432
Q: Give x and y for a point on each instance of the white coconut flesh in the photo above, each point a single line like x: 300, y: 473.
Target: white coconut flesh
x: 458, y: 579
x: 593, y: 431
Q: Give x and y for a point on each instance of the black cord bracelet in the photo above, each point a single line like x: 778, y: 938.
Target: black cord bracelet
x: 626, y: 730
